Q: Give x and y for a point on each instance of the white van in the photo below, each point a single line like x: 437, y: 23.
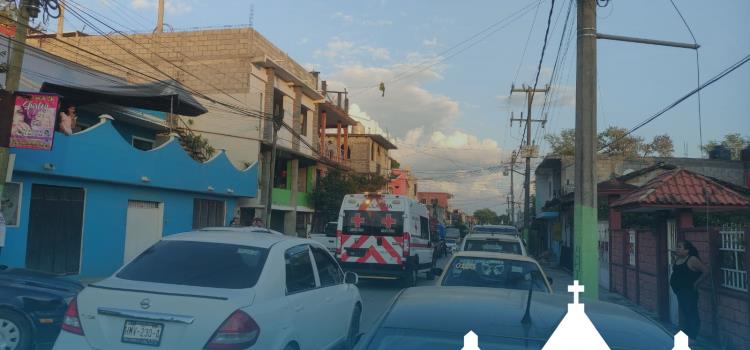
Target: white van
x: 384, y: 236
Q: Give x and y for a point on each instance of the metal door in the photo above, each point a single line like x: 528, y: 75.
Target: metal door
x: 55, y: 229
x: 604, y: 254
x: 671, y: 246
x: 143, y: 228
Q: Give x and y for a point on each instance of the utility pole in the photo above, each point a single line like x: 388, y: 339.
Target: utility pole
x: 527, y: 153
x: 512, y: 189
x: 160, y: 18
x: 13, y: 76
x: 278, y: 122
x: 586, y: 258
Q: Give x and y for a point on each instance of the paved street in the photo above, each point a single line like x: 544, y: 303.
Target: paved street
x: 377, y: 295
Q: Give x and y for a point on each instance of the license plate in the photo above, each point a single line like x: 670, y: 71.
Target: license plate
x: 143, y: 333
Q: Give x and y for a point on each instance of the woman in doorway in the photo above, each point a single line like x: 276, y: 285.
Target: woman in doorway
x: 688, y: 271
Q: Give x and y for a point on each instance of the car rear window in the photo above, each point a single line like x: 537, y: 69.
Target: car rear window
x: 495, y: 246
x: 419, y: 339
x: 199, y: 264
x: 505, y: 230
x: 375, y: 223
x: 493, y: 273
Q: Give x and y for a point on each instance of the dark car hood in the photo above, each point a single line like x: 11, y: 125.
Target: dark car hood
x: 39, y: 281
x: 498, y: 312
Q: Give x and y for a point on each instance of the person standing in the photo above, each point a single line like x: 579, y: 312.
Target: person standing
x: 68, y: 119
x: 688, y: 271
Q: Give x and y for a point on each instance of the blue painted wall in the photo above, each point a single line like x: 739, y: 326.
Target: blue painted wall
x: 105, y: 217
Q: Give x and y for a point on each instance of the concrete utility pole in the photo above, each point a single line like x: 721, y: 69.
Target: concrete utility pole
x: 278, y: 122
x: 160, y: 18
x: 586, y: 238
x: 13, y: 76
x: 512, y: 190
x: 530, y: 91
x: 61, y: 20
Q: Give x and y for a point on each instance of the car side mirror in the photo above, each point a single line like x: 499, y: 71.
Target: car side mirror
x: 351, y: 278
x: 437, y: 271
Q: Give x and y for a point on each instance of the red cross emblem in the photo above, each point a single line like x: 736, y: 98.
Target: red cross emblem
x: 358, y: 220
x: 388, y: 221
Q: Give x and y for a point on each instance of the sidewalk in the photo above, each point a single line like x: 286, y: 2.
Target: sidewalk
x: 562, y: 279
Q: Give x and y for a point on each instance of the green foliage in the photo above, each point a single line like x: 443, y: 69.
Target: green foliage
x: 326, y: 197
x: 199, y: 148
x: 562, y: 144
x: 735, y: 142
x: 700, y: 219
x: 486, y: 217
x: 395, y: 164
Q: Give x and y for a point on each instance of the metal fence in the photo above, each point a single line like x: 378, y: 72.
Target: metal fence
x: 732, y: 254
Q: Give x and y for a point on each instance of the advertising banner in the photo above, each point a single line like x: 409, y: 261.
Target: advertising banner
x: 34, y: 116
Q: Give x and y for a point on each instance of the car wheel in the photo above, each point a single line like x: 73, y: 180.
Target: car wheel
x: 15, y: 332
x: 351, y: 339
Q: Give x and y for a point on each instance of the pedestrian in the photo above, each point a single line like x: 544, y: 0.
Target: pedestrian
x: 688, y: 271
x: 68, y: 119
x: 258, y: 222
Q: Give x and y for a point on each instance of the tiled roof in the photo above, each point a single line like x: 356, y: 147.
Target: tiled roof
x: 682, y: 188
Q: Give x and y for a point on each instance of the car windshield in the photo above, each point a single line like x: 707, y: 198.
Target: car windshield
x: 414, y: 339
x: 452, y: 232
x: 492, y: 245
x: 330, y: 229
x: 492, y: 273
x: 199, y: 264
x: 375, y: 223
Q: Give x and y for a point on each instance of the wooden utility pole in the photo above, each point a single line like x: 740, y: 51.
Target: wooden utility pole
x: 528, y: 154
x: 61, y: 21
x: 586, y: 251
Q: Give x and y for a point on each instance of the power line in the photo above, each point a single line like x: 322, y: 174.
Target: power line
x: 528, y: 38
x: 716, y: 78
x: 544, y: 47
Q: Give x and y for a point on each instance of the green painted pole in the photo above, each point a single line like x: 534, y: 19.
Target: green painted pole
x: 586, y: 250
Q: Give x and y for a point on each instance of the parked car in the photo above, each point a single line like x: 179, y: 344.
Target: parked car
x: 451, y: 244
x: 493, y: 270
x: 219, y: 289
x: 494, y: 242
x: 434, y: 318
x: 32, y: 305
x: 328, y: 237
x: 385, y: 236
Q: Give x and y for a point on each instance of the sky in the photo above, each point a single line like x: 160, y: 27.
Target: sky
x: 448, y: 107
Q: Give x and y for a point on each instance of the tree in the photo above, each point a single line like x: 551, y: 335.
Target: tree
x: 486, y: 217
x: 661, y: 145
x: 620, y: 145
x: 562, y: 144
x: 735, y: 142
x: 504, y: 219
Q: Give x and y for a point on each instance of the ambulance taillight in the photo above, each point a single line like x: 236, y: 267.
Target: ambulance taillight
x: 338, y: 242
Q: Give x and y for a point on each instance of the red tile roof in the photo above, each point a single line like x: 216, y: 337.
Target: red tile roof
x: 682, y: 188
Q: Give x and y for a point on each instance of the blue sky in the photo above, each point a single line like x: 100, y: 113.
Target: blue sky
x: 453, y: 115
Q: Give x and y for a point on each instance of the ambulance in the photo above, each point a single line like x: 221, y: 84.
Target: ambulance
x: 385, y: 236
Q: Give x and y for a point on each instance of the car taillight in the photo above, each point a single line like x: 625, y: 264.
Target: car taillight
x: 239, y: 331
x: 338, y: 242
x: 71, y: 321
x: 407, y: 244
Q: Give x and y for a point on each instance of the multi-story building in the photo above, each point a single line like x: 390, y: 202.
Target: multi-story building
x: 437, y: 204
x: 365, y: 153
x: 403, y: 183
x: 244, y: 80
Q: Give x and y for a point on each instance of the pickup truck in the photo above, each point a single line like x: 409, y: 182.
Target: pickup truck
x: 328, y: 237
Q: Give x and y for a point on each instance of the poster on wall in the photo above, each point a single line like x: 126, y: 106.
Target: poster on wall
x: 11, y: 197
x: 34, y: 116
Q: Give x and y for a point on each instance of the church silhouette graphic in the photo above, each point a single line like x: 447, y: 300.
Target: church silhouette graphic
x: 575, y: 331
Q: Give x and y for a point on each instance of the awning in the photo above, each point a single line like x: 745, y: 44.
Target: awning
x: 164, y: 96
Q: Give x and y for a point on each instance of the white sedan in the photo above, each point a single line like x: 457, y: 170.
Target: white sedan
x: 219, y: 289
x: 494, y: 270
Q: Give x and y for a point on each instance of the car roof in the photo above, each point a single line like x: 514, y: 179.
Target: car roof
x: 498, y: 226
x: 255, y: 237
x: 498, y: 312
x: 494, y: 255
x: 507, y: 237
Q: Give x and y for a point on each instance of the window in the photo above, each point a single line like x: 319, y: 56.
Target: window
x: 279, y: 179
x: 302, y: 180
x: 207, y: 213
x: 425, y: 227
x: 372, y: 151
x: 299, y: 270
x: 493, y: 273
x: 303, y: 120
x: 631, y: 248
x: 199, y: 264
x: 496, y: 246
x: 732, y: 254
x: 142, y: 143
x: 328, y: 270
x: 375, y: 223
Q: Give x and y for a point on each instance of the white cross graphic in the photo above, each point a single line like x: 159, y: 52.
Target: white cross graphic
x: 576, y: 289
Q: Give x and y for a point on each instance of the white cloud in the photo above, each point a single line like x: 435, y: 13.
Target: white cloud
x: 342, y: 16
x: 343, y: 51
x: 430, y: 42
x: 377, y: 22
